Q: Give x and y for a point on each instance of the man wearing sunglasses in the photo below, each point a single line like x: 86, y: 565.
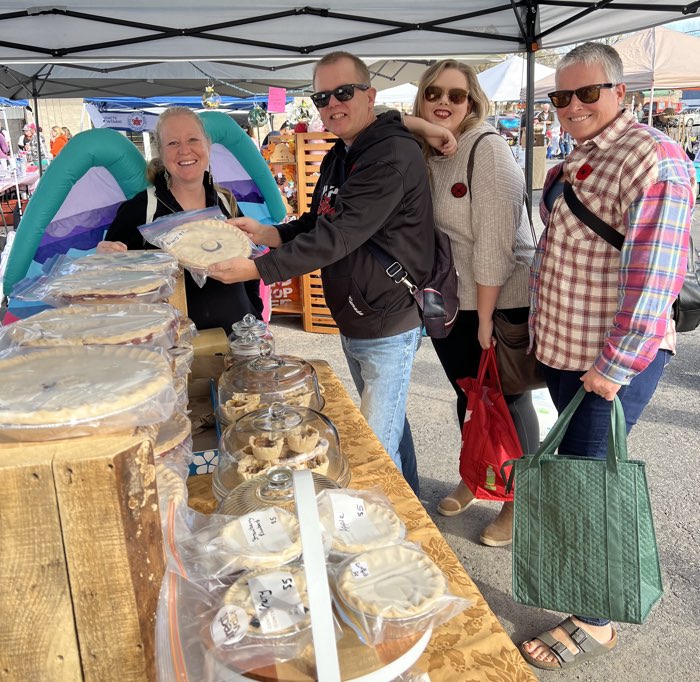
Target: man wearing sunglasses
x: 373, y: 184
x: 601, y: 298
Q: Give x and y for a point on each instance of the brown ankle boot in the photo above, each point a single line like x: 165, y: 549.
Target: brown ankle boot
x: 499, y: 533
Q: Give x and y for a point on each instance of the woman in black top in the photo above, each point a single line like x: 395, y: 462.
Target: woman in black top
x: 179, y: 172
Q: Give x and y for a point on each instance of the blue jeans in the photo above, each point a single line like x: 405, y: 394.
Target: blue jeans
x: 381, y: 370
x: 587, y: 434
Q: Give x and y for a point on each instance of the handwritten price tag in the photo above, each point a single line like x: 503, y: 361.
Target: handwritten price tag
x: 359, y: 570
x: 351, y: 520
x: 264, y: 529
x: 276, y: 601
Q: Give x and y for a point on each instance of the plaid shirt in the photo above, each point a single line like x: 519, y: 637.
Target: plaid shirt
x: 592, y: 305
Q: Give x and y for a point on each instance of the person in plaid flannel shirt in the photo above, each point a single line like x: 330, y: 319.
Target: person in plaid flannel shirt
x: 598, y: 315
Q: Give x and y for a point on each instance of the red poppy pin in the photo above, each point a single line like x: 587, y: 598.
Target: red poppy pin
x: 583, y: 172
x: 459, y: 189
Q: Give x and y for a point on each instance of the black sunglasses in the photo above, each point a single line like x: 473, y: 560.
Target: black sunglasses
x: 456, y: 95
x: 588, y: 94
x: 342, y: 93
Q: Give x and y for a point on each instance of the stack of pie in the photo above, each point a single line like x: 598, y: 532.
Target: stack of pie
x: 146, y: 260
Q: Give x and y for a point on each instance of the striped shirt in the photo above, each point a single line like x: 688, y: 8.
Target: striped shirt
x: 592, y: 305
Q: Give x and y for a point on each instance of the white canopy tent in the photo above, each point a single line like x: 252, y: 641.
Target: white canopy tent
x: 506, y: 81
x: 400, y: 94
x: 256, y: 43
x: 656, y: 58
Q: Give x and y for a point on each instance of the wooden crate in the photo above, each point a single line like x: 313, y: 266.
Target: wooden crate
x: 311, y: 148
x: 315, y: 315
x: 82, y: 559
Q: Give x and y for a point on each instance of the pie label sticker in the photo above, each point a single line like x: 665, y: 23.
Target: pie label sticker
x: 173, y: 237
x: 264, y: 529
x: 229, y: 625
x: 276, y: 601
x: 359, y: 570
x: 351, y: 521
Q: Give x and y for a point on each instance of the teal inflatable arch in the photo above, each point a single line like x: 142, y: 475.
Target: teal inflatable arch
x: 87, y: 214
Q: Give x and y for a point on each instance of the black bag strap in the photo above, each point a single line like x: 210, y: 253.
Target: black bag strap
x: 600, y: 227
x: 392, y: 267
x: 470, y: 172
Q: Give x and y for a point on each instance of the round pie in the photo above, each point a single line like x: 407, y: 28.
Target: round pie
x: 116, y: 386
x: 391, y: 582
x: 97, y: 285
x: 239, y: 595
x: 282, y: 548
x: 149, y: 260
x: 201, y: 243
x: 171, y: 433
x: 380, y: 526
x: 101, y: 324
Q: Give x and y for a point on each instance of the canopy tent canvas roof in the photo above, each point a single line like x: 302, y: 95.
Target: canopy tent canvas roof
x: 84, y: 48
x: 506, y: 81
x: 657, y: 57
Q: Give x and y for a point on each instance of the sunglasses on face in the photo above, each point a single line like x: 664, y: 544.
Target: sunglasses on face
x: 456, y: 95
x: 588, y: 94
x: 342, y: 93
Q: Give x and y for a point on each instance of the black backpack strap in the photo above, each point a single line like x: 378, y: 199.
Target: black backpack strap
x: 392, y: 267
x: 472, y: 151
x: 600, y: 227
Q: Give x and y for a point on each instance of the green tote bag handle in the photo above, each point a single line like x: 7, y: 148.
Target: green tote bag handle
x: 617, y: 436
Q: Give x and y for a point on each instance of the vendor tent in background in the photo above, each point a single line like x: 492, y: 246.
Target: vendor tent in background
x: 97, y: 170
x: 656, y: 58
x: 400, y: 94
x: 4, y: 102
x: 506, y: 81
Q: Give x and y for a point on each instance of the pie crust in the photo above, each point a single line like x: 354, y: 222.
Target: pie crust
x: 69, y: 385
x: 252, y: 557
x: 201, y: 243
x: 387, y: 524
x: 171, y: 433
x: 402, y: 582
x: 239, y: 595
x: 101, y: 285
x: 101, y: 324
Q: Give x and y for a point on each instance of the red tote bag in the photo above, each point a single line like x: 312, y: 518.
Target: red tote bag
x: 489, y: 437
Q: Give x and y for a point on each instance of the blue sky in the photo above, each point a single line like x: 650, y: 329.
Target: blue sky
x: 686, y: 25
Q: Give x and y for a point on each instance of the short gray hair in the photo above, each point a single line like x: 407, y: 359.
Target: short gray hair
x: 592, y: 54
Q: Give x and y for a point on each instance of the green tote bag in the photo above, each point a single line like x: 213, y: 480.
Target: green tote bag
x: 583, y: 534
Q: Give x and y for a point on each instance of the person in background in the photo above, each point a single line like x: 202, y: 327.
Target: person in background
x: 373, y: 185
x: 555, y: 134
x: 566, y: 143
x: 67, y: 132
x: 492, y: 246
x: 25, y: 139
x: 4, y: 149
x: 601, y: 317
x: 179, y: 172
x: 58, y: 140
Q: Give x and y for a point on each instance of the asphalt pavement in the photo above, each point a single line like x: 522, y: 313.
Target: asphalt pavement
x: 667, y: 437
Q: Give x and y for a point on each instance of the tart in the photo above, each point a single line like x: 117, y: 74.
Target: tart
x: 397, y: 582
x: 201, y: 243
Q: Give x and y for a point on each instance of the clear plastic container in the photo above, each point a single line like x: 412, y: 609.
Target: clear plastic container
x: 280, y: 435
x: 274, y: 489
x: 250, y: 385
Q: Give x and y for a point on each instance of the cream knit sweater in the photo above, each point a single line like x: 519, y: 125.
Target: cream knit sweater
x: 490, y: 234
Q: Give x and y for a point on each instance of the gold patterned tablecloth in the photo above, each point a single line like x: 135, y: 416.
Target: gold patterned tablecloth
x: 472, y: 646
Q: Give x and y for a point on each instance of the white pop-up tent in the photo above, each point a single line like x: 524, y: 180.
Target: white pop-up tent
x: 400, y: 94
x: 506, y: 81
x: 57, y: 49
x: 655, y: 58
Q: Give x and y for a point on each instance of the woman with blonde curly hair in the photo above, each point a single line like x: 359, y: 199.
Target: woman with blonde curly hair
x: 491, y: 241
x: 181, y: 179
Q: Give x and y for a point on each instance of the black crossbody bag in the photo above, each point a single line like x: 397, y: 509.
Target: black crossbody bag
x: 686, y: 308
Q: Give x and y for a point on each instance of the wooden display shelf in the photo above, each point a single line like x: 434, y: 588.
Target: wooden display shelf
x: 315, y: 316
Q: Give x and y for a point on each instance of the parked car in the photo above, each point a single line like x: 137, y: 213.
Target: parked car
x: 690, y: 116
